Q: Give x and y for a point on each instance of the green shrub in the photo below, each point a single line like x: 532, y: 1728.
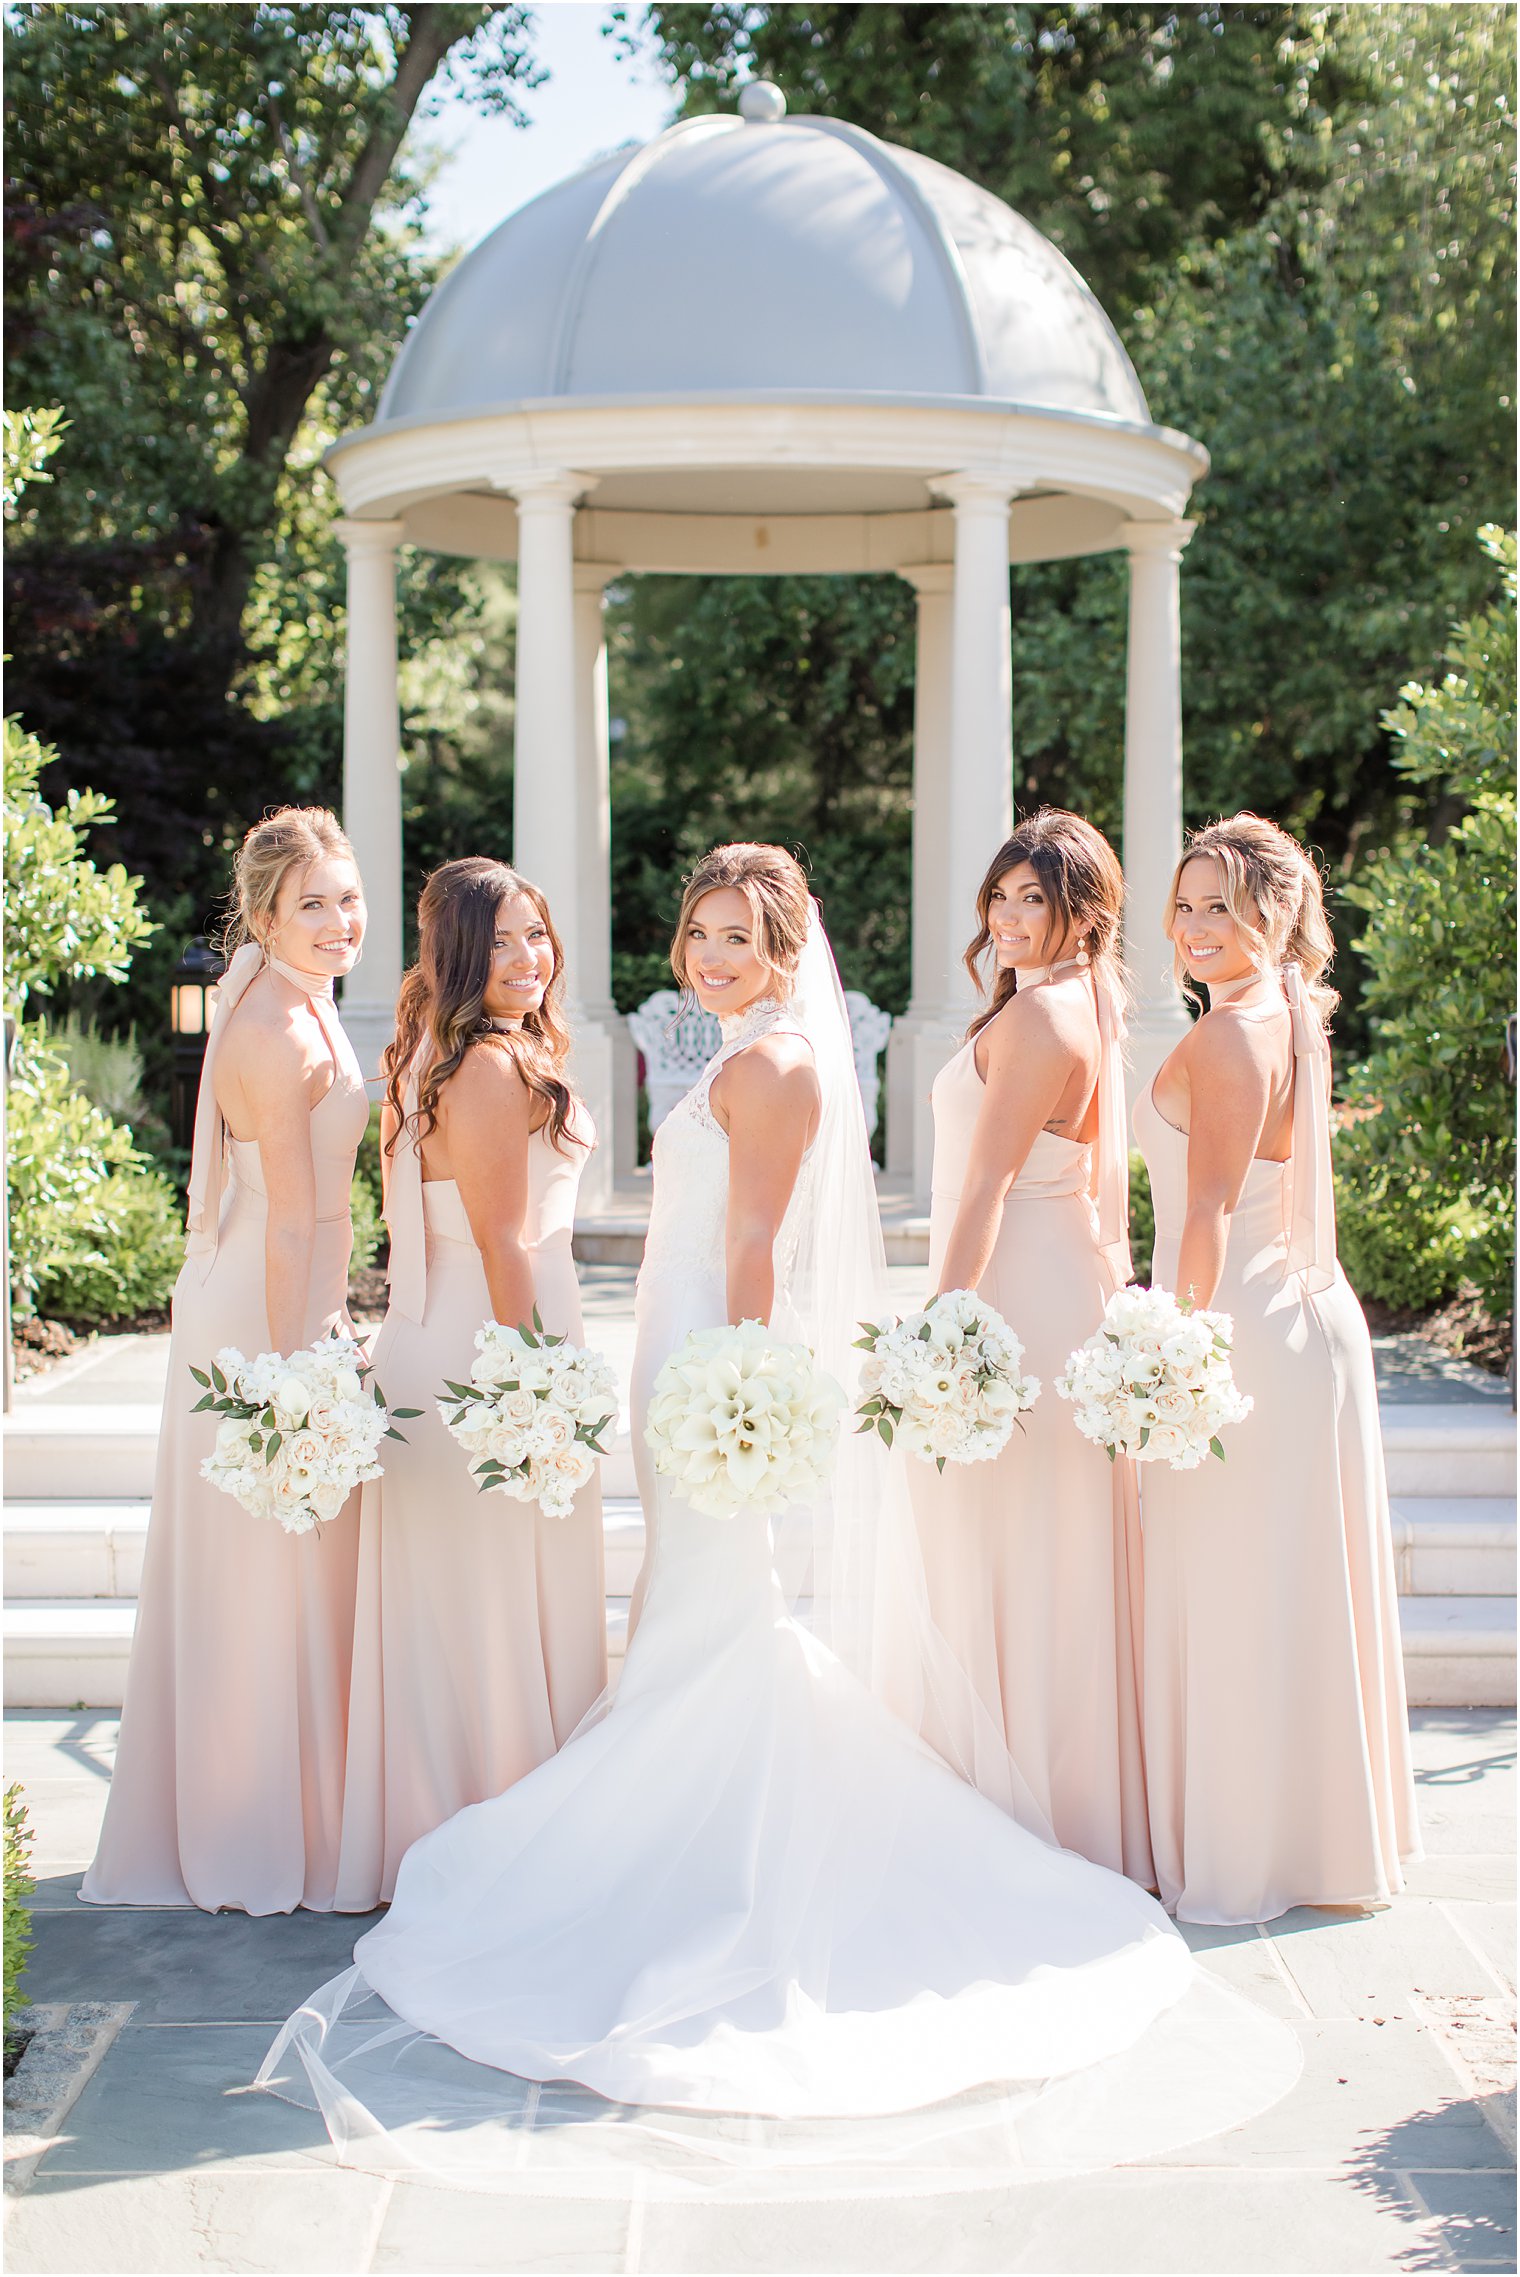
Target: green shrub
x: 96, y: 1233
x: 18, y: 1888
x: 1142, y: 1218
x: 369, y: 1228
x: 1426, y: 1171
x: 107, y: 1069
x: 65, y: 919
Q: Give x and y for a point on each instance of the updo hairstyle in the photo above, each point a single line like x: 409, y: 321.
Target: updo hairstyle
x: 773, y: 884
x: 1274, y: 892
x: 292, y: 838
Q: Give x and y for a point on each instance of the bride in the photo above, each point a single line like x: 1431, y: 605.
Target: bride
x: 751, y: 1885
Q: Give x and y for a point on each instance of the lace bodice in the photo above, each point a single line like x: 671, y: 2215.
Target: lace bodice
x: 689, y: 1216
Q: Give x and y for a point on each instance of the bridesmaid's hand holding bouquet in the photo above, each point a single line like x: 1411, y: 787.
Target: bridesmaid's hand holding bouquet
x: 1154, y: 1381
x: 297, y: 1435
x: 740, y: 1420
x: 533, y: 1412
x: 945, y: 1382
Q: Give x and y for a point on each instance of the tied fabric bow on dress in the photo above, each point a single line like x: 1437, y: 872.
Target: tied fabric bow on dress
x: 1110, y: 1179
x: 208, y: 1152
x: 406, y: 1275
x: 1311, y: 1224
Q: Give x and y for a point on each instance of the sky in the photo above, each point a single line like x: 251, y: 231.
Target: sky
x: 591, y: 102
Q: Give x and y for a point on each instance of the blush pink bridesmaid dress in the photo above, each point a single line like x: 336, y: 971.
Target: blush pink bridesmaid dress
x: 1276, y: 1734
x: 228, y: 1783
x: 1033, y: 1560
x: 480, y: 1635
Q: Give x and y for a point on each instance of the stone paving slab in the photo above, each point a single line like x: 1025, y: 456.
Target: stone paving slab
x: 1391, y: 2154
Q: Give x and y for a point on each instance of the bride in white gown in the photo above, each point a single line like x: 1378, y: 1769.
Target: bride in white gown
x: 748, y: 1886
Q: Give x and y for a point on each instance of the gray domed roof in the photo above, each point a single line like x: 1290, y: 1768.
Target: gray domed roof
x: 743, y: 256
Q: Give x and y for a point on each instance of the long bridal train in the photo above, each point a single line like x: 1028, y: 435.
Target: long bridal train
x: 746, y: 1930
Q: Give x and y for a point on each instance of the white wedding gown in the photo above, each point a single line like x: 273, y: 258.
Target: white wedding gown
x: 746, y: 1888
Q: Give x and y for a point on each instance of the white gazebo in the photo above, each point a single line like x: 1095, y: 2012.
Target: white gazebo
x: 764, y: 345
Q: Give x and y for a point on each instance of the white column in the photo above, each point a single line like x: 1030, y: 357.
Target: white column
x: 1153, y: 783
x: 605, y: 1059
x: 923, y: 1037
x: 372, y: 779
x: 559, y: 826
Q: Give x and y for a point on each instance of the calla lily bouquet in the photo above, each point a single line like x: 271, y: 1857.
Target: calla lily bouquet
x: 740, y: 1420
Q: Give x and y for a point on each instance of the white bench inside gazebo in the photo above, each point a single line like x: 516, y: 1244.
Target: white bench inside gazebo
x: 760, y: 345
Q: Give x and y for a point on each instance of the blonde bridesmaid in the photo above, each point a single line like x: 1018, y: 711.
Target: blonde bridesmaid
x: 1033, y: 1560
x: 229, y: 1771
x: 481, y: 1630
x: 1277, y: 1742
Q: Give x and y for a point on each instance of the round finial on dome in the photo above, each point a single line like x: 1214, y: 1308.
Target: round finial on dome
x: 761, y: 103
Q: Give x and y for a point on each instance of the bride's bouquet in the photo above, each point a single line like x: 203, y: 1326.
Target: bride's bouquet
x: 740, y: 1421
x: 532, y: 1414
x: 947, y: 1382
x: 296, y: 1435
x: 1154, y: 1382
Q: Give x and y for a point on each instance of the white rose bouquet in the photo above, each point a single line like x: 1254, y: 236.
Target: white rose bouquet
x: 532, y: 1414
x: 297, y: 1435
x: 1154, y: 1381
x: 741, y: 1421
x: 947, y: 1382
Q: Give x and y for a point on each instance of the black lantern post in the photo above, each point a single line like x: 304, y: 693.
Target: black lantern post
x: 191, y: 1000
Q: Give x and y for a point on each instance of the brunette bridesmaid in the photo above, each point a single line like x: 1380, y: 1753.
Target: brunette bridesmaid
x: 1277, y: 1742
x: 229, y: 1772
x: 1033, y: 1560
x: 480, y: 1637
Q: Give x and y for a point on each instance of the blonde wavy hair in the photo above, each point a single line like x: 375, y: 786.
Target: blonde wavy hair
x: 1274, y: 892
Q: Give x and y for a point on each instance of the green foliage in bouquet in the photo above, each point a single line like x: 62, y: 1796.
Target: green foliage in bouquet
x: 19, y: 1886
x: 1426, y: 1163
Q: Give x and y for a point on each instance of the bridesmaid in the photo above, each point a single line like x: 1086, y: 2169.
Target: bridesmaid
x: 1277, y: 1742
x: 1033, y: 1560
x: 229, y: 1772
x: 480, y: 1636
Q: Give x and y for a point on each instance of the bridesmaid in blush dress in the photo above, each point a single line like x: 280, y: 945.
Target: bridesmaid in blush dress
x: 1277, y: 1741
x: 229, y: 1771
x: 1033, y: 1560
x: 480, y: 1635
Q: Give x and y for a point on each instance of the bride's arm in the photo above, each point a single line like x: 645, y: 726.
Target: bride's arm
x: 1029, y: 1063
x: 767, y: 1100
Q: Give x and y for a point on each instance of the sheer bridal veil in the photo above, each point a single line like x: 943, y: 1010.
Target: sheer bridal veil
x: 870, y: 1600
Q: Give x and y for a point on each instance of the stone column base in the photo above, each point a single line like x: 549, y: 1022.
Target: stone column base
x: 918, y: 1047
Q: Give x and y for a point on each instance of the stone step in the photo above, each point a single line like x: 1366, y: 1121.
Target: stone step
x: 1461, y: 1449
x: 94, y: 1550
x: 1454, y: 1545
x: 1459, y: 1652
x: 87, y: 1454
x: 1462, y: 1546
x: 72, y: 1653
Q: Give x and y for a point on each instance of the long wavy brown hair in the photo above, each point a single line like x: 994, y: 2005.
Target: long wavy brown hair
x: 443, y: 997
x: 1080, y: 878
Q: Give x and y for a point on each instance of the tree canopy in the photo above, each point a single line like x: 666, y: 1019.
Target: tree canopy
x: 1301, y: 219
